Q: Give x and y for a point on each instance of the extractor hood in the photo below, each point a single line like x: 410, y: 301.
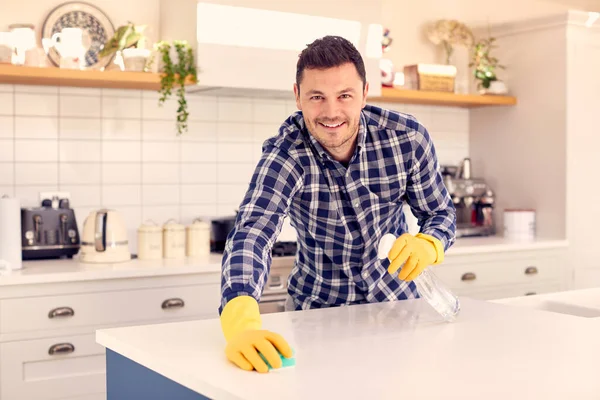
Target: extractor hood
x: 243, y: 51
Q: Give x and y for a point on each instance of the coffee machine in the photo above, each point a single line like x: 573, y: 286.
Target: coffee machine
x: 473, y: 199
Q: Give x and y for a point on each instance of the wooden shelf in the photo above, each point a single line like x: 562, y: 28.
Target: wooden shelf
x: 79, y: 78
x: 393, y: 95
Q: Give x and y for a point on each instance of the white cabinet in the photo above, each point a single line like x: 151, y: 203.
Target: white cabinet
x: 47, y: 331
x: 505, y: 274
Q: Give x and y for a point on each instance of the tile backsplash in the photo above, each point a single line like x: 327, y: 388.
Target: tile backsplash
x: 119, y: 149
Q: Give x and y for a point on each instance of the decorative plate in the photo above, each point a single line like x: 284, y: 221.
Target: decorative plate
x: 97, y: 29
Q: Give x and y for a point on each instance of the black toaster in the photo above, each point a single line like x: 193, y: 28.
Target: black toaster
x: 49, y: 231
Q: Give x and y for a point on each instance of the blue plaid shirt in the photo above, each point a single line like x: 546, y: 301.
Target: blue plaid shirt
x: 340, y: 213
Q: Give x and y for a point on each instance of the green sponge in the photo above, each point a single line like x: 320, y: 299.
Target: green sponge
x: 285, y: 362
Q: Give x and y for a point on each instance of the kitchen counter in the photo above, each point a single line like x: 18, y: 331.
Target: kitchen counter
x: 65, y: 270
x: 377, y: 351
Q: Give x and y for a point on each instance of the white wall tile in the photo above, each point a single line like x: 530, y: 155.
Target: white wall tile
x: 198, y: 194
x: 199, y: 153
x: 29, y: 150
x: 190, y: 212
x: 274, y: 111
x: 121, y: 195
x: 36, y: 173
x: 160, y: 214
x: 131, y: 93
x: 232, y: 193
x: 157, y: 173
x: 450, y: 121
x: 152, y: 110
x: 120, y: 151
x: 30, y: 195
x: 203, y: 108
x: 83, y: 195
x: 122, y: 129
x: 160, y: 152
x: 199, y: 173
x: 7, y: 104
x: 80, y: 128
x: 230, y: 152
x: 79, y: 106
x: 79, y: 174
x: 290, y: 107
x: 155, y: 130
x: 7, y: 190
x: 7, y: 150
x: 227, y: 209
x: 234, y: 110
x: 7, y: 88
x: 262, y: 132
x: 43, y: 105
x: 36, y: 127
x: 7, y: 127
x: 73, y: 151
x: 234, y: 132
x: 79, y: 91
x: 160, y: 195
x: 235, y: 173
x: 121, y: 107
x: 200, y: 132
x: 7, y: 174
x: 36, y: 89
x: 121, y: 173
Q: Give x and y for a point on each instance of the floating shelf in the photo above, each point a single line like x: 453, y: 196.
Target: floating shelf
x: 393, y: 95
x: 79, y: 78
x: 52, y: 76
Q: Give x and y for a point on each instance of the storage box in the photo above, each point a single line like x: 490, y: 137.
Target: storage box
x: 430, y: 77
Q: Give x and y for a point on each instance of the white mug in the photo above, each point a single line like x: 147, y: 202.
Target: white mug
x: 69, y: 42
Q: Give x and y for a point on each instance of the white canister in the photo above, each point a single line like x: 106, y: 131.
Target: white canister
x: 150, y: 241
x: 173, y: 240
x: 198, y: 239
x: 519, y: 224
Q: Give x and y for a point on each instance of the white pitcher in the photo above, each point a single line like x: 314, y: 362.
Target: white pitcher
x: 69, y: 44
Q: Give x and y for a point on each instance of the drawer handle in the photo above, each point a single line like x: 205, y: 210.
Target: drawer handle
x: 469, y: 276
x: 530, y: 294
x: 531, y: 270
x: 61, y: 312
x: 172, y: 303
x: 61, y: 348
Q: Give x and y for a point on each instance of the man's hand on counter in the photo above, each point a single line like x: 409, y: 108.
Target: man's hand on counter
x: 242, y: 327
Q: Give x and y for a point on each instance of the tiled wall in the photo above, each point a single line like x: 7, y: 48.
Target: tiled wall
x: 119, y: 149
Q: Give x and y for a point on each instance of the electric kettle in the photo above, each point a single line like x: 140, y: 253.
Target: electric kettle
x: 104, y: 238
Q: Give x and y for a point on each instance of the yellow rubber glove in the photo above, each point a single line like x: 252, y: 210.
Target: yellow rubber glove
x: 416, y: 253
x: 241, y: 324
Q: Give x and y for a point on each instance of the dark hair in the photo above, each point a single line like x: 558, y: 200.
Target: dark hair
x: 329, y: 52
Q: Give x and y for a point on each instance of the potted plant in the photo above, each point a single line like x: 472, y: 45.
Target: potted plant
x: 177, y: 65
x: 485, y: 67
x: 128, y: 43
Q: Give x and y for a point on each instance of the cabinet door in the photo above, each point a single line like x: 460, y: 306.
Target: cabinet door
x: 52, y: 369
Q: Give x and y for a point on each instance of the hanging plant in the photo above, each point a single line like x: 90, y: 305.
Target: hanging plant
x: 174, y: 75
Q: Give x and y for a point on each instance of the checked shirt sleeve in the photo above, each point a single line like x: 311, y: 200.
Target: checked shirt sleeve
x: 247, y: 255
x: 426, y: 193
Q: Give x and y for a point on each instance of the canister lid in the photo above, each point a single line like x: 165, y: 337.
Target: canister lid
x: 172, y: 225
x: 150, y: 227
x: 199, y: 225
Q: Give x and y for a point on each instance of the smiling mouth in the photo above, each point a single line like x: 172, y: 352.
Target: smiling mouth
x: 332, y: 126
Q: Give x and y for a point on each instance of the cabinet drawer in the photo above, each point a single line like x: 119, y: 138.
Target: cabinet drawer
x: 495, y: 273
x: 28, y: 370
x: 495, y: 293
x: 105, y: 308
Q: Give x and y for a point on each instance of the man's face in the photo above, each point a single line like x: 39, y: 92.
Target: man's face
x: 331, y: 101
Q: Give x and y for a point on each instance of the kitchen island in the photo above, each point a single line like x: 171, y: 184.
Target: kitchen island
x: 377, y: 351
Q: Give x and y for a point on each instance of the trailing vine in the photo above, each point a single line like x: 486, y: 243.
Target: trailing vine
x: 175, y: 75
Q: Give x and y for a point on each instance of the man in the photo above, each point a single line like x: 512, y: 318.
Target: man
x: 341, y: 170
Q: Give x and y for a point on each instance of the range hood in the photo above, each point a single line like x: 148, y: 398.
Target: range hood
x: 243, y: 51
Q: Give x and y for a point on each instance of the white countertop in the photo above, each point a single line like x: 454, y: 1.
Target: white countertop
x: 65, y: 270
x: 385, y: 351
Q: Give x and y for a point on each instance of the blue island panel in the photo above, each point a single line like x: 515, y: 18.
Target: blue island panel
x: 128, y: 380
